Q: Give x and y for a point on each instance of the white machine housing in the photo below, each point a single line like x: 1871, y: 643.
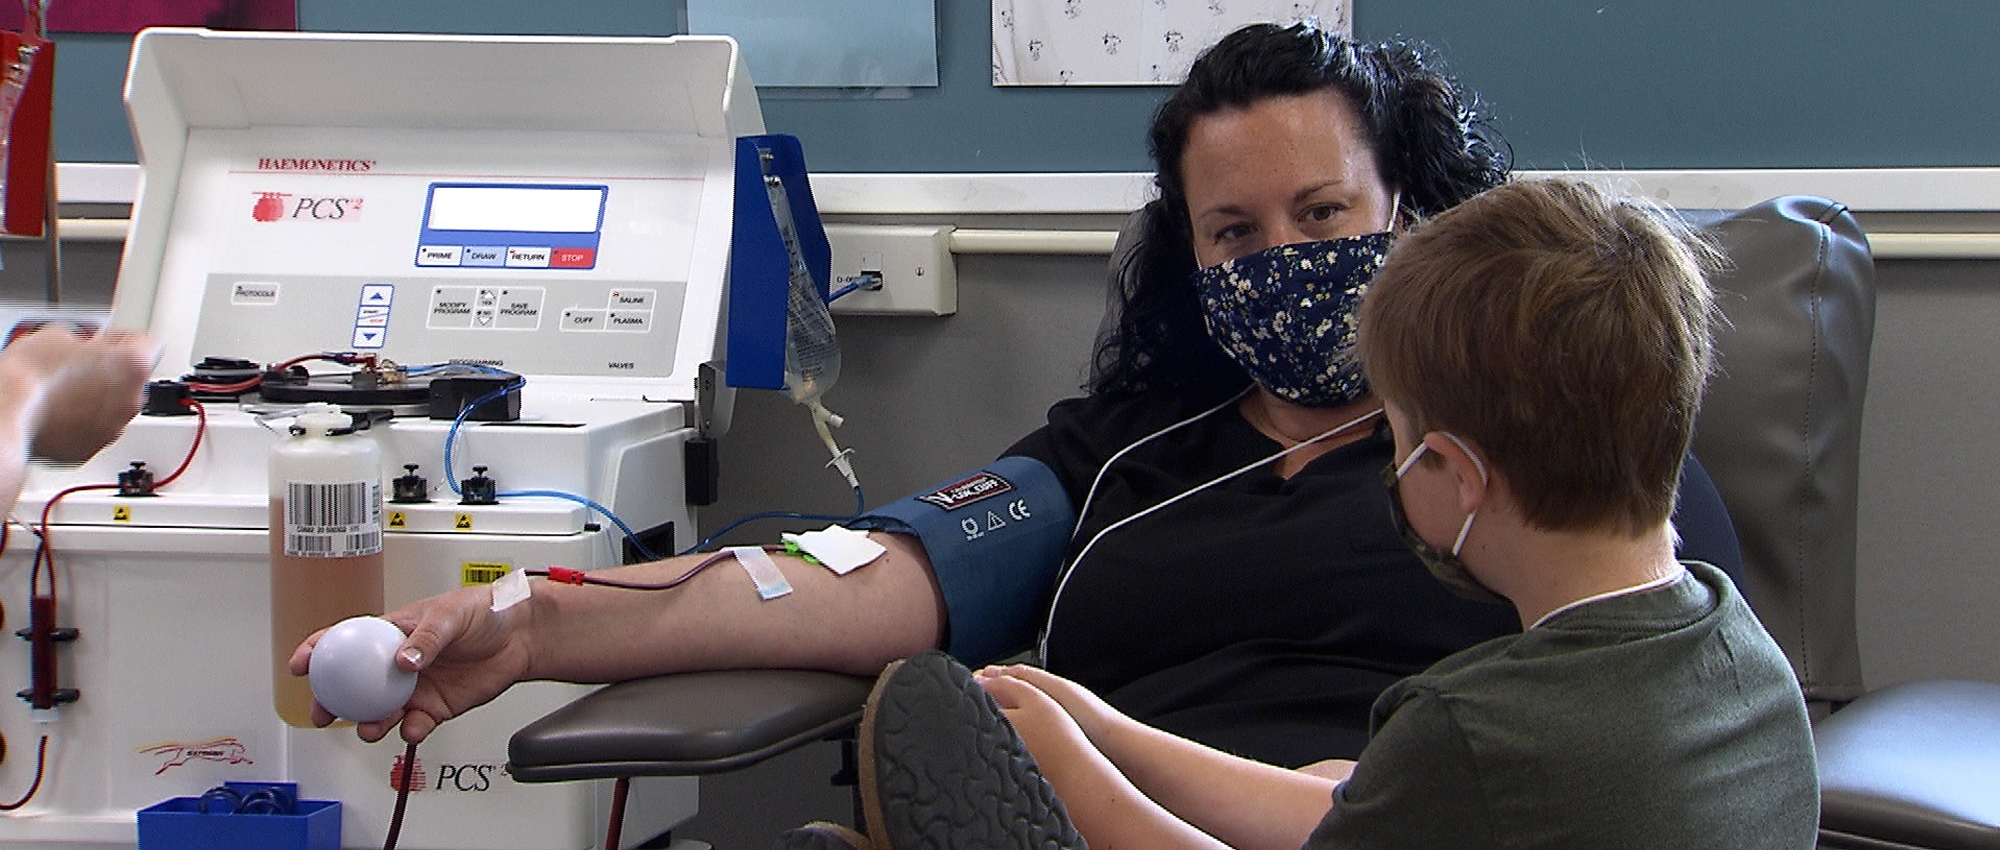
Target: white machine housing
x: 426, y: 199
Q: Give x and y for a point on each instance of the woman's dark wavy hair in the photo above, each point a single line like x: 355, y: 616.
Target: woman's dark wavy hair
x: 1429, y: 140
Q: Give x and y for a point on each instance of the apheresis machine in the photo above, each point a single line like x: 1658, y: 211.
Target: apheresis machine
x: 503, y: 254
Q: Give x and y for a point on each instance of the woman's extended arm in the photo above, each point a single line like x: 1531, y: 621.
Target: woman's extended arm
x: 467, y: 654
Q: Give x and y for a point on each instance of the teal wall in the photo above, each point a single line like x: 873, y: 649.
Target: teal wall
x: 1604, y: 84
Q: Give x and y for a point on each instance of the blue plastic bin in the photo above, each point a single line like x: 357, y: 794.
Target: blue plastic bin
x: 180, y: 824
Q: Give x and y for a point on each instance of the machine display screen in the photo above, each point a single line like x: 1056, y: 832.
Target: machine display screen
x: 512, y: 226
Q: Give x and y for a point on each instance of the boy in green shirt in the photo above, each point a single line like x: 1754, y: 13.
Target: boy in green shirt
x: 1541, y: 352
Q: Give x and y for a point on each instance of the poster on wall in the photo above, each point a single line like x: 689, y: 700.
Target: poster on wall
x: 813, y: 43
x: 129, y: 16
x: 1129, y: 42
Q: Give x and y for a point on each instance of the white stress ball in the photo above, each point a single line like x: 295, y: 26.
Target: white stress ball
x: 354, y: 672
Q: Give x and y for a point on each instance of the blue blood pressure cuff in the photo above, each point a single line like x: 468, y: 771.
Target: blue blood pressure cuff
x: 996, y: 539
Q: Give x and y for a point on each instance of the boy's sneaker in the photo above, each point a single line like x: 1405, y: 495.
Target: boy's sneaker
x: 820, y: 835
x: 941, y: 767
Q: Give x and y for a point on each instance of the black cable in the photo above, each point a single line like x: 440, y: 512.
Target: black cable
x: 402, y: 796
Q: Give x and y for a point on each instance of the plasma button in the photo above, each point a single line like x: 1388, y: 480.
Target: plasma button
x: 629, y: 320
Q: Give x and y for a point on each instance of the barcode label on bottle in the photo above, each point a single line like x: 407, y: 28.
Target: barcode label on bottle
x: 339, y: 520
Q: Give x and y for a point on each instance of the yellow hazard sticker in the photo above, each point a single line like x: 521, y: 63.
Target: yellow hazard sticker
x: 462, y: 522
x: 398, y: 519
x: 121, y: 513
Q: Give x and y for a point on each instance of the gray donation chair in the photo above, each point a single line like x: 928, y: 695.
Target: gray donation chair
x: 1910, y: 766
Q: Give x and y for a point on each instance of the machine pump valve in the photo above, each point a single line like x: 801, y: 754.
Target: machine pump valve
x: 409, y: 488
x: 479, y: 489
x: 137, y: 481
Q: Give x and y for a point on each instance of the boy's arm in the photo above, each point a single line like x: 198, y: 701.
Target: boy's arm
x: 1246, y: 804
x: 1103, y: 805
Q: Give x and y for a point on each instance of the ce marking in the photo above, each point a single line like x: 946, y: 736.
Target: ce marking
x: 1017, y: 510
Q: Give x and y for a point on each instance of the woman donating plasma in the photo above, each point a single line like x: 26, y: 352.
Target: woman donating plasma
x: 1212, y: 549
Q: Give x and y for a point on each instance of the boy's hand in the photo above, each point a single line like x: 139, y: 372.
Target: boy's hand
x: 1052, y: 735
x: 92, y: 383
x: 1090, y: 712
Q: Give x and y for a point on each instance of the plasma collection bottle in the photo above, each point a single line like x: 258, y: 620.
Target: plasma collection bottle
x: 326, y: 540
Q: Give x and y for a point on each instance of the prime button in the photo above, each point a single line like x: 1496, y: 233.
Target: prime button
x: 437, y: 255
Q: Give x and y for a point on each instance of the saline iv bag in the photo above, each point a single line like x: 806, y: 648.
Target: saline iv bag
x: 812, y: 356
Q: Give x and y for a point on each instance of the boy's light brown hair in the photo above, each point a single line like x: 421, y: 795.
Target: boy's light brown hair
x: 1565, y: 331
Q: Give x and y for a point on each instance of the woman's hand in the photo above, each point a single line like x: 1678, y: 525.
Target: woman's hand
x: 463, y: 652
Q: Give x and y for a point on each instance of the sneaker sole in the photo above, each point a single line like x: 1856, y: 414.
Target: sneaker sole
x: 941, y: 767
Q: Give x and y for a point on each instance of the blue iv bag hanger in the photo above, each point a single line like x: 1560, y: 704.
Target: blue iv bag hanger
x: 777, y: 243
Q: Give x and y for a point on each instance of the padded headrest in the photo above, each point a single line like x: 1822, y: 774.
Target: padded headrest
x: 1780, y: 430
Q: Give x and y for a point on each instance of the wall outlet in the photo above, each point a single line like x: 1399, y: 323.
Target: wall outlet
x: 919, y: 276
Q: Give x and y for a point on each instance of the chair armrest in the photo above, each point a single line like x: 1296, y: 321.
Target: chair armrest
x: 686, y: 724
x: 1912, y: 765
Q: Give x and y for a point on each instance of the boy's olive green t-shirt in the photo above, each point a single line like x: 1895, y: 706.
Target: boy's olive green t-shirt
x: 1666, y: 719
